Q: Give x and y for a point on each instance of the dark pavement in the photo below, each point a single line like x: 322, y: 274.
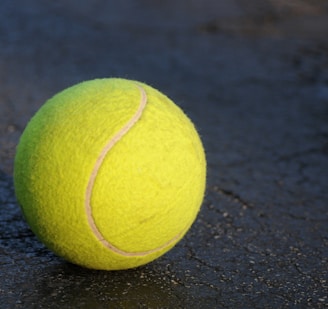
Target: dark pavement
x: 253, y: 76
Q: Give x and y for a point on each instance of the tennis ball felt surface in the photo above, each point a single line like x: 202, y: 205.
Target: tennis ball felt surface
x: 110, y: 174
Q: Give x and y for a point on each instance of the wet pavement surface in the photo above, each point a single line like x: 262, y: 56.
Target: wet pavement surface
x: 253, y: 76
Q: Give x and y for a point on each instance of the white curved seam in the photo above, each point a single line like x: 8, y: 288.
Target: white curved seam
x: 93, y: 176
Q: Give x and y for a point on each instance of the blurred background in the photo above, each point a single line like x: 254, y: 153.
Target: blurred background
x: 207, y: 47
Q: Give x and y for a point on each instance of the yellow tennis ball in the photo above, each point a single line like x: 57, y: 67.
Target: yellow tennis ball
x: 110, y: 174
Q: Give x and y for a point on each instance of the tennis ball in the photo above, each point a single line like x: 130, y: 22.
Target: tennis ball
x: 110, y: 174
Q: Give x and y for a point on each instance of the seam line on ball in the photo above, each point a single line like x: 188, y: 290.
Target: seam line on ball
x: 92, y: 179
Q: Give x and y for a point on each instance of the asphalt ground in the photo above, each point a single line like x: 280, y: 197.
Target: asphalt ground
x: 253, y: 77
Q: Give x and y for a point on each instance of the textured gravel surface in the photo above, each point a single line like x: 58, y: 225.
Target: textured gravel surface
x: 253, y: 76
